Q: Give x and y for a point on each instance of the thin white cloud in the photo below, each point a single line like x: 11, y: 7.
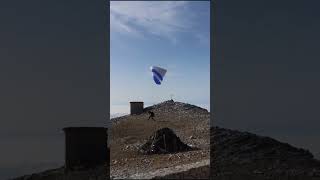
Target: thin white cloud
x: 122, y: 26
x: 162, y: 19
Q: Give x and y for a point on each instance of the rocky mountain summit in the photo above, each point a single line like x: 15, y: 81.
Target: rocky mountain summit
x: 172, y: 106
x: 130, y: 134
x: 233, y: 154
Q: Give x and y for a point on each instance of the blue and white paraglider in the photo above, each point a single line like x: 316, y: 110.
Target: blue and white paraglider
x: 158, y: 74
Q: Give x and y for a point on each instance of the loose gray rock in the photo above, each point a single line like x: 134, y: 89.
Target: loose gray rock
x: 164, y: 141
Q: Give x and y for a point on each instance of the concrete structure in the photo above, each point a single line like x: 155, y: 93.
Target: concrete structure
x: 136, y: 107
x: 85, y: 147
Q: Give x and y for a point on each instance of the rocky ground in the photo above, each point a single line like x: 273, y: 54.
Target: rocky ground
x: 242, y: 155
x: 99, y: 173
x: 129, y: 133
x: 234, y: 155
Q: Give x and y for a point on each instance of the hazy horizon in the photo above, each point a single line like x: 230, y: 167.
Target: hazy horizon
x: 124, y: 109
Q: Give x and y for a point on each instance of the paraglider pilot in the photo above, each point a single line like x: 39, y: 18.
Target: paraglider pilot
x: 151, y: 115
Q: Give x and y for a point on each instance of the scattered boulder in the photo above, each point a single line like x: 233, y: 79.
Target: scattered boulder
x: 164, y: 141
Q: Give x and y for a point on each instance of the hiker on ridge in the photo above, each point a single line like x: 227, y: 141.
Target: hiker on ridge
x: 151, y: 115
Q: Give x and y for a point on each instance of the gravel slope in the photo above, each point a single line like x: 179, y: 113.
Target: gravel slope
x: 242, y: 155
x: 234, y: 154
x: 128, y: 133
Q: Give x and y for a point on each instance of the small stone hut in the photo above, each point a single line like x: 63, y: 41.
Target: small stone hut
x: 136, y: 107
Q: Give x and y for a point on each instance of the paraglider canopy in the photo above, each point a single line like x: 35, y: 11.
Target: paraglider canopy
x: 158, y: 74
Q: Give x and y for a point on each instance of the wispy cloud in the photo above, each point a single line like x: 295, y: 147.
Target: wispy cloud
x: 162, y: 19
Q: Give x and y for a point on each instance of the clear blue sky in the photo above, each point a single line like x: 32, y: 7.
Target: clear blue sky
x: 172, y: 35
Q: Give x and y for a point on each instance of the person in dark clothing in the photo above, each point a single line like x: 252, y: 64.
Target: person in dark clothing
x: 151, y: 115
